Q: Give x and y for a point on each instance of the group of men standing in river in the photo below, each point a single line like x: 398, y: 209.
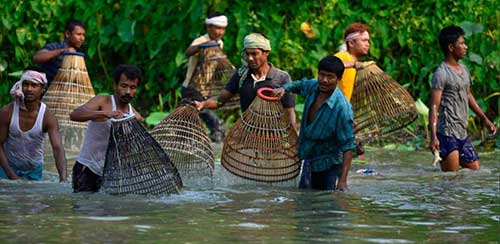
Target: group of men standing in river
x: 326, y: 138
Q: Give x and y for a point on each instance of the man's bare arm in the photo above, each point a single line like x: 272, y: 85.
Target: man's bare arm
x: 4, y: 132
x: 346, y: 165
x: 436, y: 95
x: 57, y: 146
x: 224, y: 96
x: 92, y: 110
x: 477, y: 110
x: 44, y: 55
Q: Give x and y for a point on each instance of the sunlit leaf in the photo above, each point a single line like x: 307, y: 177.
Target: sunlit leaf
x: 179, y: 58
x: 126, y: 30
x: 3, y: 65
x: 471, y: 28
x: 16, y: 74
x: 474, y: 57
x: 155, y: 118
x: 21, y: 35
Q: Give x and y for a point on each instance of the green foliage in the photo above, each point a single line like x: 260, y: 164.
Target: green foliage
x: 155, y: 117
x: 154, y: 35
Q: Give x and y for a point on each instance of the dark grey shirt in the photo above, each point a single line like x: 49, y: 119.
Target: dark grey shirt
x: 275, y: 78
x: 453, y: 109
x: 52, y: 66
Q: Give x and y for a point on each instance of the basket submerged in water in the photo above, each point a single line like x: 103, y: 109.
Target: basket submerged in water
x: 262, y: 144
x: 212, y: 72
x: 182, y: 135
x: 136, y: 164
x: 380, y: 104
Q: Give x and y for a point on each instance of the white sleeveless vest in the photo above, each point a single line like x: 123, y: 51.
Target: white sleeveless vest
x: 25, y: 149
x: 94, y: 147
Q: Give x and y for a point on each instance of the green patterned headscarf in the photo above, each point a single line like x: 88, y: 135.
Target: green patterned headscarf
x: 252, y: 40
x: 256, y: 40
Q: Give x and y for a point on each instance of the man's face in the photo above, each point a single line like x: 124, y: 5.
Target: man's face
x: 458, y: 49
x: 32, y: 91
x: 327, y: 81
x: 125, y: 89
x: 360, y: 46
x: 76, y: 37
x: 256, y: 57
x: 215, y: 32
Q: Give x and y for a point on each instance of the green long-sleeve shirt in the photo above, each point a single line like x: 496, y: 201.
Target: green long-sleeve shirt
x: 330, y: 133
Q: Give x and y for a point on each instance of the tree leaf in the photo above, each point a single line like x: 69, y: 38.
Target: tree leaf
x: 471, y: 28
x: 3, y: 65
x: 474, y: 57
x: 421, y: 107
x: 155, y: 117
x: 16, y: 74
x: 21, y: 35
x: 126, y: 30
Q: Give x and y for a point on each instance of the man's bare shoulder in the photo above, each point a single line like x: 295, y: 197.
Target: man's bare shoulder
x: 99, y: 102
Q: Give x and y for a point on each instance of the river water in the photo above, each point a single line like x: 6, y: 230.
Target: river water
x: 404, y: 200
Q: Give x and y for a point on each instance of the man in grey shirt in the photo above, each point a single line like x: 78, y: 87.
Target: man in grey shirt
x: 451, y: 97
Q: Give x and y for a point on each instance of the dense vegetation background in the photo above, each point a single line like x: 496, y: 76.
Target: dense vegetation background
x: 154, y: 34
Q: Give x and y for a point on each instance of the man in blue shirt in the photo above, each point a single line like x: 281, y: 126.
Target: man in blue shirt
x: 326, y: 132
x: 50, y: 57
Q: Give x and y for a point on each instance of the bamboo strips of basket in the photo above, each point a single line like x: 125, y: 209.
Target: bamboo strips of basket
x: 70, y: 89
x: 182, y: 135
x: 136, y: 164
x: 380, y: 104
x: 261, y: 146
x: 212, y: 72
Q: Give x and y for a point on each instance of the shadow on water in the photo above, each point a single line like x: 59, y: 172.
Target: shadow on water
x: 401, y: 200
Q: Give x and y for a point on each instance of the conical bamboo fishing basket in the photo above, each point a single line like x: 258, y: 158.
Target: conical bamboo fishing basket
x: 380, y: 104
x: 262, y: 145
x: 182, y: 135
x: 136, y: 164
x: 70, y: 89
x: 212, y: 72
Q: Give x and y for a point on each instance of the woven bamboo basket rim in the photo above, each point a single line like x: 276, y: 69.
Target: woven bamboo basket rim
x: 234, y: 170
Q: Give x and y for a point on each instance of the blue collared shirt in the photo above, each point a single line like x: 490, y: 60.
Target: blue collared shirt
x: 331, y: 131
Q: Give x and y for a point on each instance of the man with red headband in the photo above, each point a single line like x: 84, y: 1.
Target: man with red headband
x: 356, y: 45
x: 24, y: 124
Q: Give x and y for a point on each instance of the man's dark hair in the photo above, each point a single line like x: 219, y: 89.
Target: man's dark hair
x: 39, y: 70
x: 332, y: 64
x: 449, y: 35
x: 71, y: 24
x: 214, y: 14
x: 35, y: 68
x: 130, y: 71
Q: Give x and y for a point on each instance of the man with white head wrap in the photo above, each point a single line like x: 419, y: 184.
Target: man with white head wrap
x: 216, y: 26
x: 255, y: 73
x: 24, y: 124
